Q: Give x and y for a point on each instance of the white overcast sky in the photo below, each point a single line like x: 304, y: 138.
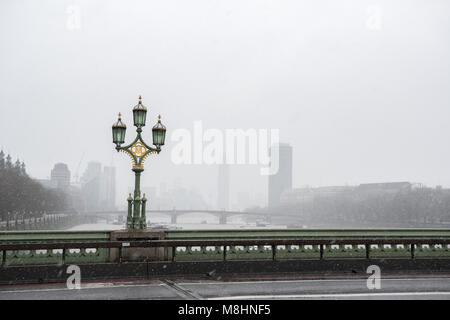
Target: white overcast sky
x: 359, y: 102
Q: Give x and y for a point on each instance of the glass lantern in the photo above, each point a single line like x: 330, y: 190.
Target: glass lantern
x: 159, y: 133
x: 118, y: 131
x: 139, y: 114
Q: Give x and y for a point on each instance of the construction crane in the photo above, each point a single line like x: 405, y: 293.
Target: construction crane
x: 76, y: 176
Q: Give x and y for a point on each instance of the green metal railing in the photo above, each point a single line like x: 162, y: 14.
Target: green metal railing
x: 226, y: 249
x: 301, y: 244
x: 310, y: 251
x: 86, y: 255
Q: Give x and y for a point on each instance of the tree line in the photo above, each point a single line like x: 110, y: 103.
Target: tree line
x: 22, y: 197
x: 409, y: 207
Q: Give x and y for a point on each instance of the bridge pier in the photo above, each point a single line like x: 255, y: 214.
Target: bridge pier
x: 173, y: 219
x: 223, y: 219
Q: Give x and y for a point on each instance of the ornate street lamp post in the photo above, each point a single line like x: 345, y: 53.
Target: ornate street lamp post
x: 138, y: 151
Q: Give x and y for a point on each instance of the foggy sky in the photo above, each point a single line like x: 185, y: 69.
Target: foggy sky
x: 358, y: 105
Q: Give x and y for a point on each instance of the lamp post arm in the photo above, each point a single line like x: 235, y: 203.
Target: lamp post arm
x: 157, y: 149
x: 128, y: 152
x: 138, y: 137
x: 138, y: 151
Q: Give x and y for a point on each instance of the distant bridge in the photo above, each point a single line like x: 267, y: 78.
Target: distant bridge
x: 175, y: 213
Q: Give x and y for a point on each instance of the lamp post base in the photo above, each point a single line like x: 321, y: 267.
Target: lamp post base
x: 142, y: 224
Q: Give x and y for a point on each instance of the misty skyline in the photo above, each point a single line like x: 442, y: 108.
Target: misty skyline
x: 357, y: 104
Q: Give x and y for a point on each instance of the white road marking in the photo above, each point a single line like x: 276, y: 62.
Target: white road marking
x: 339, y: 295
x: 86, y: 287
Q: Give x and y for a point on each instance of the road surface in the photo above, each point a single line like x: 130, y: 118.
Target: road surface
x: 397, y: 288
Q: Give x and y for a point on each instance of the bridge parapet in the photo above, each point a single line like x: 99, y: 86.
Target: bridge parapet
x: 46, y: 247
x: 84, y: 255
x: 248, y: 249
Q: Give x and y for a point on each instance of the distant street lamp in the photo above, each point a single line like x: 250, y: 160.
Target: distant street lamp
x: 138, y: 150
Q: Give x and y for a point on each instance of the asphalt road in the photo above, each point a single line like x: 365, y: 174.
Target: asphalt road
x: 350, y: 288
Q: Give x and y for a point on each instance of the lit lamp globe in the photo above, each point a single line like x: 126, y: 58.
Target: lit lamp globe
x: 159, y: 133
x: 139, y: 114
x: 118, y: 131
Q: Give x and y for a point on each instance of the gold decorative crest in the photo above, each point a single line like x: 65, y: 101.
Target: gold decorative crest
x: 138, y: 149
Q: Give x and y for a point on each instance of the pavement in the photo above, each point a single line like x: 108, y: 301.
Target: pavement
x: 342, y: 288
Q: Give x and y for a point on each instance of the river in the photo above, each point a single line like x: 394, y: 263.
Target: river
x: 185, y: 222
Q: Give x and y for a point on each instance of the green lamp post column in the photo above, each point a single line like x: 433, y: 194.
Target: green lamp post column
x: 137, y: 198
x: 138, y: 151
